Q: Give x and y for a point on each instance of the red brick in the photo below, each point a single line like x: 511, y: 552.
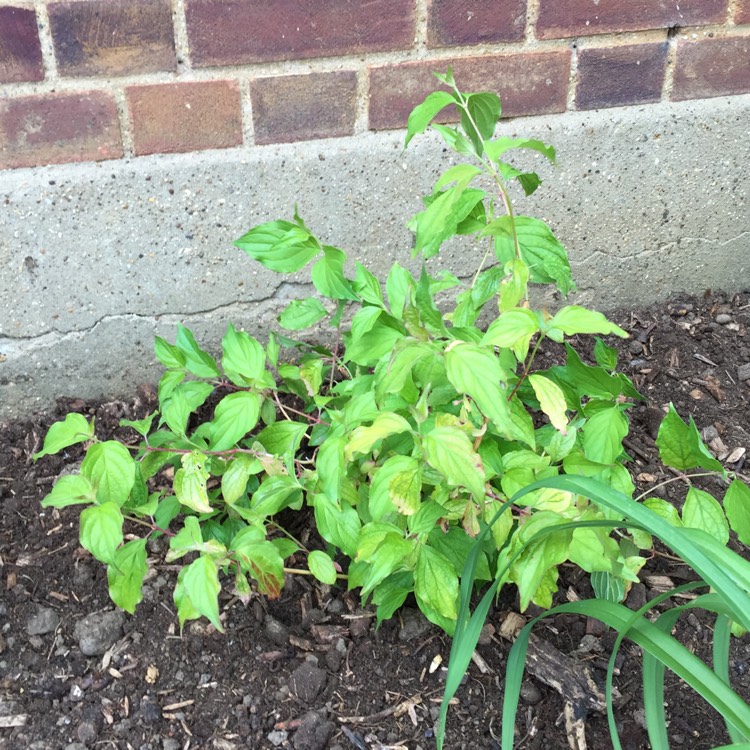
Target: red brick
x: 20, y: 51
x: 621, y: 75
x: 226, y: 32
x: 742, y: 12
x: 454, y: 22
x: 56, y: 128
x: 528, y: 83
x: 191, y: 116
x: 711, y: 67
x: 303, y: 107
x: 104, y: 38
x: 563, y: 18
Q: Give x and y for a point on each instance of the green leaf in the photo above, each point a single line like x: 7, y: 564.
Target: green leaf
x: 680, y: 445
x: 702, y: 511
x: 382, y: 500
x: 234, y: 479
x: 406, y: 491
x: 480, y: 118
x: 606, y: 356
x: 125, y: 574
x: 331, y: 466
x: 141, y: 426
x: 236, y: 415
x: 197, y: 592
x: 591, y: 382
x: 244, y: 360
x: 475, y: 371
x: 72, y: 489
x: 74, y: 429
x: 272, y: 349
x: 280, y: 245
x: 603, y: 434
x: 441, y: 218
x: 462, y: 174
x: 302, y: 313
x: 539, y: 557
x: 190, y: 539
x: 435, y: 584
x: 101, y: 530
x: 337, y: 523
x: 546, y: 258
x: 367, y: 286
x: 574, y: 319
x: 200, y: 363
x: 455, y: 139
x: 168, y: 382
x: 183, y: 401
x: 513, y: 288
x: 423, y: 113
x: 169, y: 354
x: 389, y: 556
x: 362, y: 439
x: 607, y: 586
x: 737, y: 507
x: 328, y: 275
x: 497, y: 147
x: 397, y: 287
x: 513, y: 330
x: 449, y: 451
x: 322, y: 567
x: 274, y: 494
x: 111, y: 471
x: 283, y: 439
x: 663, y: 509
x: 263, y: 561
x: 551, y: 400
x: 190, y: 482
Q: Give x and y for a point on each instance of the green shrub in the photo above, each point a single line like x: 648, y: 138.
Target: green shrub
x: 404, y: 438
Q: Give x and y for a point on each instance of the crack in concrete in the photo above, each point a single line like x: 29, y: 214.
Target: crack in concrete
x: 285, y: 290
x: 661, y: 248
x: 54, y: 338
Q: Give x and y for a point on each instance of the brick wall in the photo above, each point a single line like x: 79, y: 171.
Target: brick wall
x: 106, y: 79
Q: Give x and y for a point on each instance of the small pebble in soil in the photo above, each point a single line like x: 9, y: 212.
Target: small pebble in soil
x: 530, y: 693
x: 723, y: 319
x: 313, y: 733
x: 276, y: 631
x: 307, y: 681
x: 98, y: 631
x: 42, y: 621
x: 743, y: 372
x: 278, y: 737
x: 150, y: 709
x: 413, y: 624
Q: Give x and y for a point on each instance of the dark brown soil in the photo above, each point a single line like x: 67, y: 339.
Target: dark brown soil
x: 310, y: 671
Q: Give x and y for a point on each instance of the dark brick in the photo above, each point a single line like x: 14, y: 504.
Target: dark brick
x: 528, y: 83
x: 190, y: 116
x: 454, y: 22
x: 711, y: 67
x: 20, y: 51
x: 228, y: 32
x: 104, y: 38
x: 742, y: 12
x: 563, y: 18
x: 616, y: 76
x: 56, y: 128
x: 303, y: 107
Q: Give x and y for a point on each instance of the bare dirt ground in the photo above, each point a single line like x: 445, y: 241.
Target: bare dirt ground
x: 310, y: 671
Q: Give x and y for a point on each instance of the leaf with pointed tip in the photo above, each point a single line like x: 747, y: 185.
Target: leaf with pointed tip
x: 423, y: 113
x: 282, y: 246
x: 125, y: 574
x: 101, y: 530
x: 74, y: 429
x: 197, y: 592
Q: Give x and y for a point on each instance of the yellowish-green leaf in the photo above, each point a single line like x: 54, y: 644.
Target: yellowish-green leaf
x: 552, y: 400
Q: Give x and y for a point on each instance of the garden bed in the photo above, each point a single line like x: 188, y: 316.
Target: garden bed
x: 310, y: 670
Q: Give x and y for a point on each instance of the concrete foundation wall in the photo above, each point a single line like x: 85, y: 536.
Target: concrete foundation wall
x: 97, y: 258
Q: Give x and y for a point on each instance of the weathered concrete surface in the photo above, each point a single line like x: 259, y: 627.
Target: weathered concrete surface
x: 96, y: 259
